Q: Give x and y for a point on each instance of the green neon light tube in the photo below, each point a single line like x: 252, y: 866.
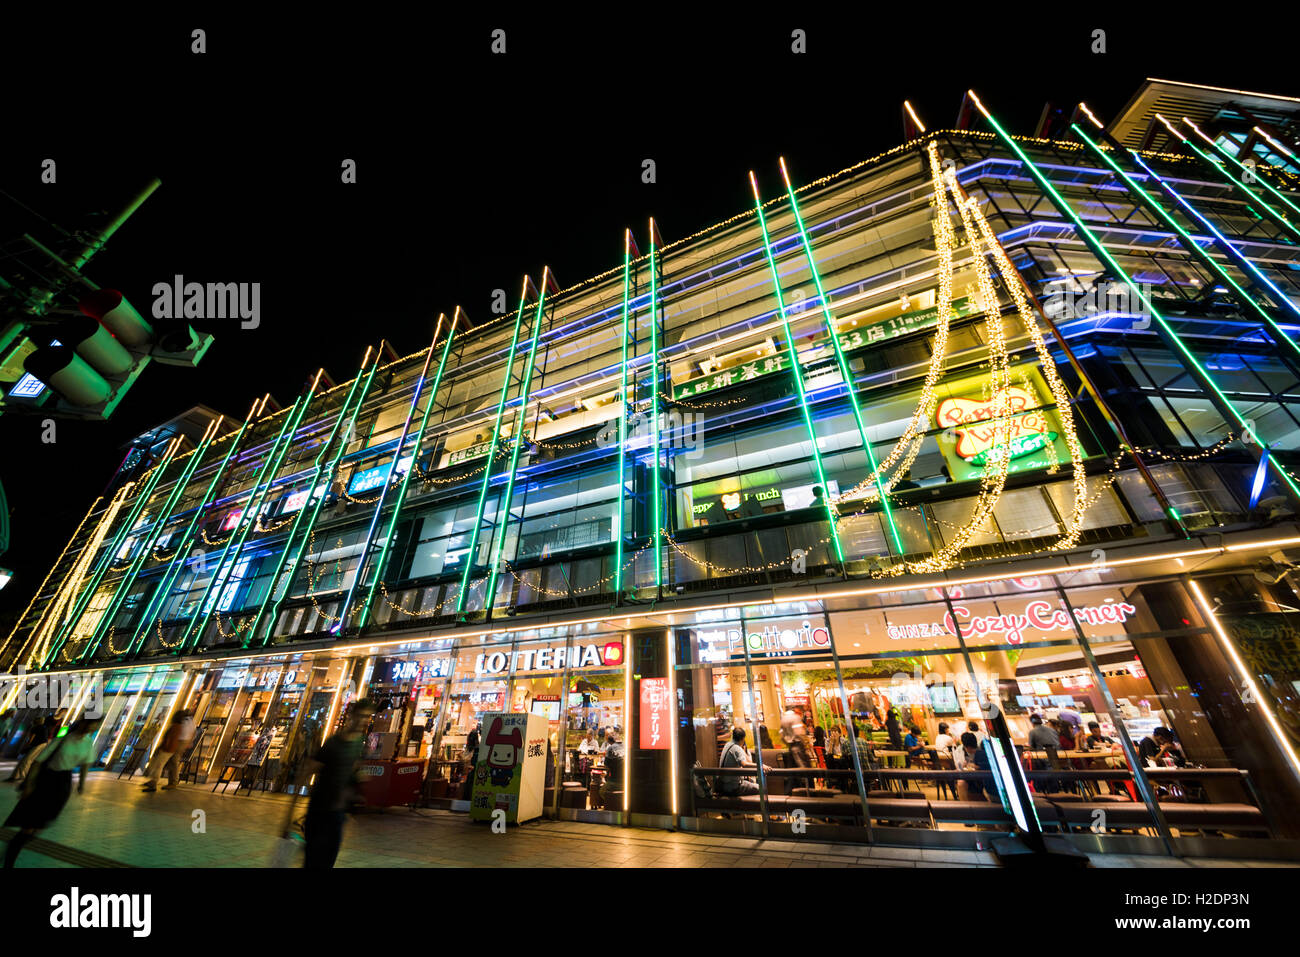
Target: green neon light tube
x: 1099, y: 249
x: 162, y: 592
x: 655, y: 379
x: 147, y: 545
x: 1227, y: 175
x: 795, y: 371
x: 845, y: 372
x: 491, y: 457
x: 234, y: 543
x: 286, y: 571
x: 504, y: 522
x: 622, y: 419
x: 380, y: 566
x: 106, y: 560
x: 1245, y: 169
x: 1191, y: 245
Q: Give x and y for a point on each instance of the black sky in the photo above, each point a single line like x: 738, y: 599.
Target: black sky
x: 472, y: 169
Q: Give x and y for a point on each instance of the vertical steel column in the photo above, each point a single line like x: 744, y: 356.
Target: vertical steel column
x: 287, y: 572
x: 470, y: 556
x: 1098, y: 248
x: 850, y: 384
x: 158, y: 600
x: 406, y: 479
x: 521, y: 419
x: 795, y: 371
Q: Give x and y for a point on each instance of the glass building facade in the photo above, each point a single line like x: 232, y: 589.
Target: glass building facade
x: 811, y: 480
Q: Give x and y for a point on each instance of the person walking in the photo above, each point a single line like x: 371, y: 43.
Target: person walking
x: 35, y: 741
x: 49, y: 785
x: 335, y: 766
x: 175, y: 742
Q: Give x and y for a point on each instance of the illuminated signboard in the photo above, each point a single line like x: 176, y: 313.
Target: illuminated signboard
x: 469, y: 454
x: 654, y: 714
x: 420, y: 671
x: 778, y: 640
x: 972, y: 422
x: 1011, y: 627
x: 375, y: 477
x: 550, y: 659
x: 297, y: 500
x: 849, y: 341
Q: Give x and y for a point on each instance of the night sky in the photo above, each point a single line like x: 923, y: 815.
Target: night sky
x: 472, y: 169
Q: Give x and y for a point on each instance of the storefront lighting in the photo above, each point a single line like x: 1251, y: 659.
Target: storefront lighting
x: 622, y: 416
x: 655, y: 389
x: 1247, y: 679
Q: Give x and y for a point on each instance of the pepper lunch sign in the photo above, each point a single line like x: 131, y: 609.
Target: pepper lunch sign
x: 775, y: 640
x: 973, y: 423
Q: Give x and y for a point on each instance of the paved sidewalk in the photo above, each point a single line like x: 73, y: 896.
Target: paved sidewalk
x: 116, y: 824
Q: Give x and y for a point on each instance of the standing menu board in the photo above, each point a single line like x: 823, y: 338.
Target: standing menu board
x: 510, y: 775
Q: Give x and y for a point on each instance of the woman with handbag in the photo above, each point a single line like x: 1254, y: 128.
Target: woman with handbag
x: 49, y: 784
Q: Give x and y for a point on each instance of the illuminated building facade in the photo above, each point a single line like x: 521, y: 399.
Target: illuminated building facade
x: 985, y: 424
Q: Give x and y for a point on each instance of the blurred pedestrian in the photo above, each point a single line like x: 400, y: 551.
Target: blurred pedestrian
x: 336, y: 787
x: 33, y: 743
x: 49, y: 785
x: 176, y: 741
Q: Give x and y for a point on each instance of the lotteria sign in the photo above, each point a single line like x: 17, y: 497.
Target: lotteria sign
x: 550, y: 659
x: 1011, y: 627
x: 779, y: 639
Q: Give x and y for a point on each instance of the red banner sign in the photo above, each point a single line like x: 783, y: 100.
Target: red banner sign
x: 655, y: 720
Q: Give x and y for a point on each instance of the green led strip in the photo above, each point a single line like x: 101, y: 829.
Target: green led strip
x: 520, y: 420
x: 1246, y: 169
x: 287, y: 571
x: 1099, y: 249
x: 380, y: 566
x: 124, y: 530
x: 265, y: 474
x: 491, y: 457
x: 655, y: 380
x: 1224, y: 172
x: 158, y: 601
x: 846, y: 373
x: 622, y: 419
x: 147, y: 545
x: 1191, y: 245
x: 795, y: 370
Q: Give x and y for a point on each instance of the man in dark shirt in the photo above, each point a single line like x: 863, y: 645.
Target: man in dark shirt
x: 1160, y: 746
x: 334, y: 788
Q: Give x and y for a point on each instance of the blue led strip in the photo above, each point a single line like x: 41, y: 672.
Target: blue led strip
x: 656, y: 378
x: 470, y: 555
x: 626, y: 409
